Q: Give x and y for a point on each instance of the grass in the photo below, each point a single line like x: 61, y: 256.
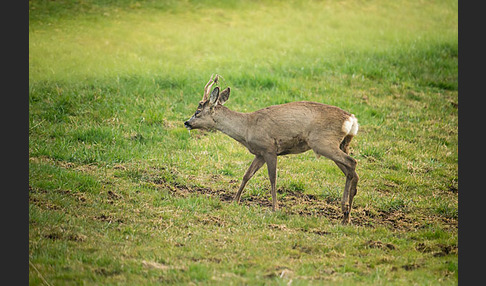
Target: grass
x: 121, y: 193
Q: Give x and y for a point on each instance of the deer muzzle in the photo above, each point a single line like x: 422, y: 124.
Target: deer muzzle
x: 187, y: 124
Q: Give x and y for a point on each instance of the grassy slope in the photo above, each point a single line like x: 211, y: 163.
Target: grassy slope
x: 120, y: 192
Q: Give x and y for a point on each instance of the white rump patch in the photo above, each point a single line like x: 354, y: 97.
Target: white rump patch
x: 350, y: 125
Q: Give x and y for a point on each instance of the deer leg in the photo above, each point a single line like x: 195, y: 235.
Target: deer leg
x: 255, y: 166
x: 353, y: 188
x: 348, y: 166
x: 271, y: 160
x: 349, y: 189
x: 348, y: 194
x: 344, y: 146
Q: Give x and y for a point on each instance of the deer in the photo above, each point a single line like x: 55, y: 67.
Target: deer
x: 289, y: 128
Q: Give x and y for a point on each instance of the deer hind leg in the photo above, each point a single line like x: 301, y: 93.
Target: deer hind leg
x: 348, y: 166
x: 344, y: 146
x: 257, y: 163
x: 349, y: 191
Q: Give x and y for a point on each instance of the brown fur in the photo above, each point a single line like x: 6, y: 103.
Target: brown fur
x: 345, y: 143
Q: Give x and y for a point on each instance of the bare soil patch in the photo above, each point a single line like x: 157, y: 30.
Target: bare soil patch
x: 296, y: 203
x: 380, y: 245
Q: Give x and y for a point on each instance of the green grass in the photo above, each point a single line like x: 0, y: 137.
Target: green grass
x: 121, y: 193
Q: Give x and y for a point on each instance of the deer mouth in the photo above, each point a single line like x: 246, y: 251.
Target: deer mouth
x: 187, y: 125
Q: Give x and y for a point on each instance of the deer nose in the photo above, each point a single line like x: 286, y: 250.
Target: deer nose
x: 187, y: 124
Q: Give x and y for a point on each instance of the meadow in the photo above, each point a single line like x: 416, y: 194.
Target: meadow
x: 120, y: 193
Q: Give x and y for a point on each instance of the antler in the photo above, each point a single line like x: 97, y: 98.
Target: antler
x: 207, y: 87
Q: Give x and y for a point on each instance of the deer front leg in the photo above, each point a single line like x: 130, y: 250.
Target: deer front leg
x: 271, y: 160
x: 255, y: 166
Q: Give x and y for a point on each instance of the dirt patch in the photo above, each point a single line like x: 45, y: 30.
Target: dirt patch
x: 379, y: 244
x: 410, y: 267
x: 422, y: 247
x: 35, y: 198
x: 211, y: 220
x: 44, y: 204
x: 113, y: 197
x: 297, y: 203
x: 184, y: 191
x: 59, y: 233
x: 397, y: 219
x: 283, y: 227
x: 445, y: 250
x: 437, y: 250
x: 318, y: 232
x: 107, y: 218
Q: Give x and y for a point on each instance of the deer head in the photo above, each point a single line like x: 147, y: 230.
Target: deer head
x: 203, y: 118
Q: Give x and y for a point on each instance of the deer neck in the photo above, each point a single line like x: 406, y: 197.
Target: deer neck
x: 232, y: 123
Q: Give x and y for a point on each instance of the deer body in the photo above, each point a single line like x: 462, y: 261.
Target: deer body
x: 280, y: 129
x: 289, y: 128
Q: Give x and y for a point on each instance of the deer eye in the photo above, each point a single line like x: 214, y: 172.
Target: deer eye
x: 197, y: 112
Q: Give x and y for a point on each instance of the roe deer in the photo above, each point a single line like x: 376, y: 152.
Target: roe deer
x: 289, y: 128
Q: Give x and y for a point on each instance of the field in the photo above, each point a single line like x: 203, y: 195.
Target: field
x: 120, y: 193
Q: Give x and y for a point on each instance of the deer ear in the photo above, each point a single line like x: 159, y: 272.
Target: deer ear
x: 224, y: 96
x: 214, y: 95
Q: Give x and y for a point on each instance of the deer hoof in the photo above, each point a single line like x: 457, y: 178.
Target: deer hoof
x: 346, y: 218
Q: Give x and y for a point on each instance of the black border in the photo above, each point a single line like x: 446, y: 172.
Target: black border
x: 472, y: 77
x: 15, y: 142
